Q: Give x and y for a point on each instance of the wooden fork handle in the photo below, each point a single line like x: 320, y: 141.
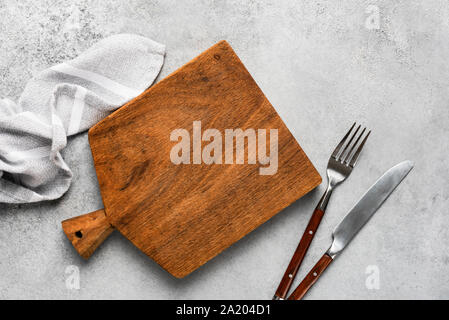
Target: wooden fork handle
x: 299, y: 254
x: 311, y: 278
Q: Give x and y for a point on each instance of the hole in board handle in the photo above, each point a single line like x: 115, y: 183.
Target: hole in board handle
x: 79, y: 234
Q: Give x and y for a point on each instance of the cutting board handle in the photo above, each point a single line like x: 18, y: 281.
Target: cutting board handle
x: 87, y: 232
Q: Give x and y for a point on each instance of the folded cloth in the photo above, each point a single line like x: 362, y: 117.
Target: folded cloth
x: 65, y: 100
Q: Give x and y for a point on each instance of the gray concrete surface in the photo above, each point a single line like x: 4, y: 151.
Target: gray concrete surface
x: 322, y: 65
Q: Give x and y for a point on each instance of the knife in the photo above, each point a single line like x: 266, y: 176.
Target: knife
x: 354, y: 221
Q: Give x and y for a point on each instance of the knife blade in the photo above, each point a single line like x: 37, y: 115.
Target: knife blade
x: 367, y: 206
x: 354, y: 221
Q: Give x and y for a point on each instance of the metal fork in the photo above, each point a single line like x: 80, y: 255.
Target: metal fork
x: 339, y: 167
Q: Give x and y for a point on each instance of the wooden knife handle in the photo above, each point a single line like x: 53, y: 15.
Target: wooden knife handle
x: 298, y: 257
x: 311, y: 278
x: 87, y: 232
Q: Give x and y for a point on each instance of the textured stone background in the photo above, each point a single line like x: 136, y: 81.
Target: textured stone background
x: 322, y: 67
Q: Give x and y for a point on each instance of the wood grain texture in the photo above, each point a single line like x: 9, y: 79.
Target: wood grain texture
x: 183, y: 215
x: 311, y: 278
x: 299, y: 254
x: 87, y: 232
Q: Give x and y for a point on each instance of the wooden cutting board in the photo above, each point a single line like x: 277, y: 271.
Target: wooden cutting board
x: 182, y: 215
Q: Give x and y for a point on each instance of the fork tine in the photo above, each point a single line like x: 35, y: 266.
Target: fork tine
x: 357, y: 153
x: 348, y: 156
x: 342, y: 142
x: 340, y: 158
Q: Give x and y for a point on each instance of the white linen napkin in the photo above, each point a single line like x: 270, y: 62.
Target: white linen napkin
x: 64, y: 100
